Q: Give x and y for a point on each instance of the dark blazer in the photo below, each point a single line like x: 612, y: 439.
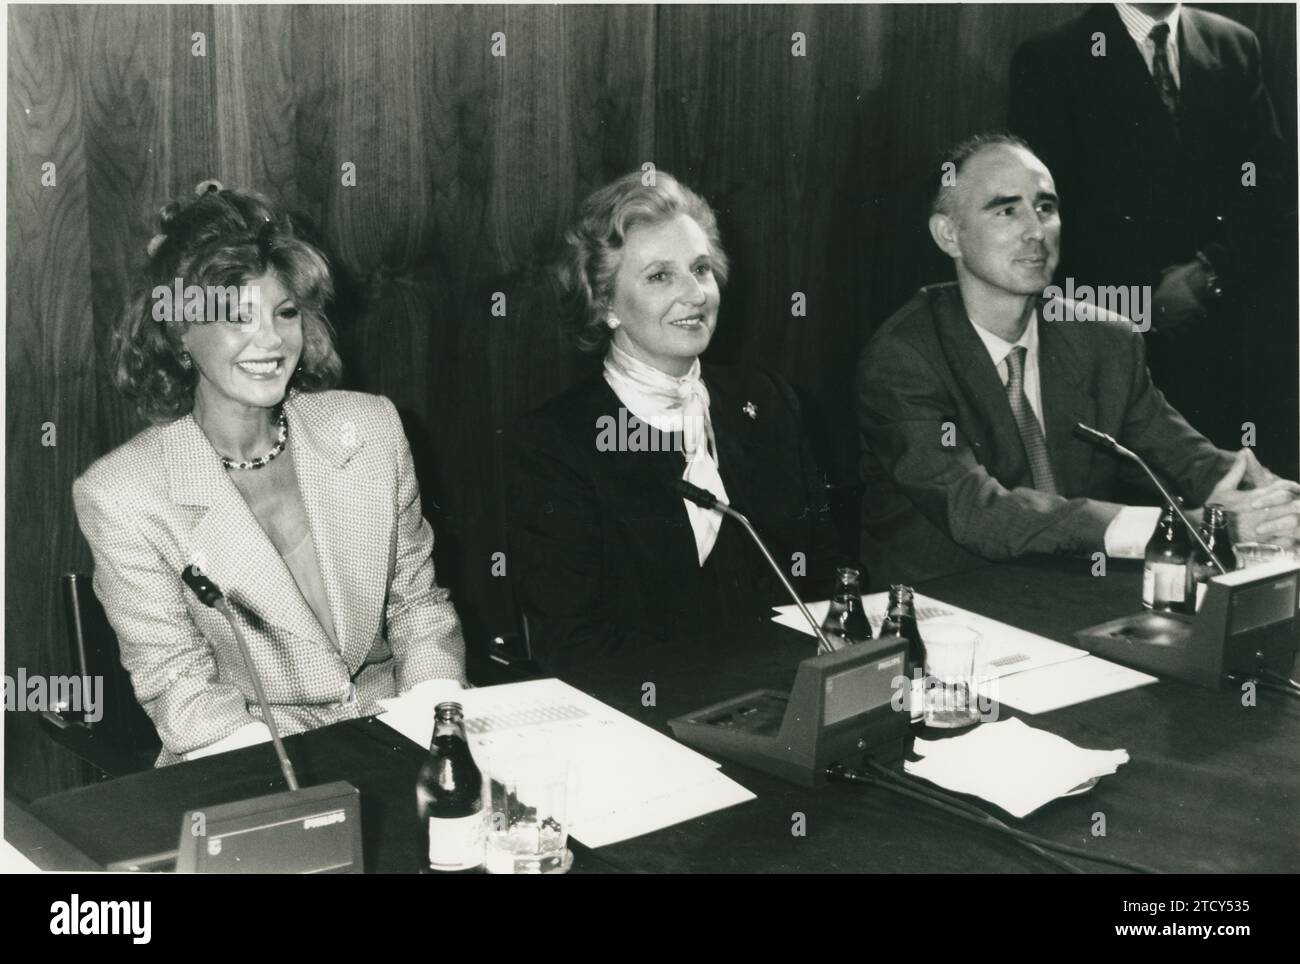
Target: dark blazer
x: 1137, y: 193
x: 926, y: 380
x: 604, y: 559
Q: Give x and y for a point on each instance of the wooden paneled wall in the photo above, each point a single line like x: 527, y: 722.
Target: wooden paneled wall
x: 467, y: 167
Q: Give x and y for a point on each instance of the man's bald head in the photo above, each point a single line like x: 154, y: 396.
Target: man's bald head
x: 996, y: 216
x: 944, y: 199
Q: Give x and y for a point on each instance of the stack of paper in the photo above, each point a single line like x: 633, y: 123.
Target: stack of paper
x: 626, y: 779
x: 1065, y: 684
x: 1012, y: 765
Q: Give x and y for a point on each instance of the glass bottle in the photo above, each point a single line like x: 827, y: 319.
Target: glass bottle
x: 845, y: 621
x: 1164, y: 572
x: 1214, y: 530
x: 901, y: 621
x: 449, y: 795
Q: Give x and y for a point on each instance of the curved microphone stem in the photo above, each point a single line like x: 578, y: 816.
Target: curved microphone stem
x: 211, y: 596
x: 823, y: 645
x: 1108, y: 441
x: 707, y: 500
x: 285, y: 766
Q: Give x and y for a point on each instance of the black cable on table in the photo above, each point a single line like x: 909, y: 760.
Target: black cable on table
x: 1282, y: 680
x: 970, y: 808
x: 968, y: 812
x: 1025, y: 835
x: 852, y: 776
x: 1278, y: 687
x: 1288, y: 687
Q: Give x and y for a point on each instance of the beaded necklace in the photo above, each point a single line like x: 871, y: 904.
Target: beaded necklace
x: 263, y: 460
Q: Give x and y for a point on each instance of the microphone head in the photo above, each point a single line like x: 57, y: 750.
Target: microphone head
x: 201, y: 585
x: 693, y: 493
x: 1089, y: 434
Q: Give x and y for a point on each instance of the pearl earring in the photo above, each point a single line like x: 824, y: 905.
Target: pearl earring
x: 612, y: 322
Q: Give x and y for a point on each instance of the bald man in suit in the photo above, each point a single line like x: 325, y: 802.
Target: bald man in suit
x: 968, y: 397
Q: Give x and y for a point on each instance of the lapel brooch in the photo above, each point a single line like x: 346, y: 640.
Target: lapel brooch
x: 750, y: 409
x: 348, y: 441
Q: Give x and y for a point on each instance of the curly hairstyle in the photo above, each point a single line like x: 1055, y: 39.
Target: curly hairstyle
x: 592, y: 245
x: 224, y: 238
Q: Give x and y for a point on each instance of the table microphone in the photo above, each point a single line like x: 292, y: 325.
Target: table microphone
x: 1089, y: 434
x: 707, y: 500
x: 1246, y: 625
x: 212, y: 597
x: 312, y: 830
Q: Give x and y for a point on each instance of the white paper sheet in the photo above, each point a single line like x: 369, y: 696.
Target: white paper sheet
x: 1065, y: 684
x: 12, y: 861
x: 711, y: 792
x: 1006, y: 650
x: 1011, y: 764
x: 627, y: 779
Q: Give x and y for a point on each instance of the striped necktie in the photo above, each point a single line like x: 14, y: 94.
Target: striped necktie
x: 1164, y: 75
x: 1031, y: 433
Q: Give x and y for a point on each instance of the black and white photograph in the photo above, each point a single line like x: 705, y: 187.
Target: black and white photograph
x: 731, y: 439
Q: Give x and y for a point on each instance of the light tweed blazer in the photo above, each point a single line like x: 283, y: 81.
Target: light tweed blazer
x: 163, y: 500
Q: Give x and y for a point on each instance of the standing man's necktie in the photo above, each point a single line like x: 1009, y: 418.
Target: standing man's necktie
x: 1160, y: 69
x: 1031, y: 433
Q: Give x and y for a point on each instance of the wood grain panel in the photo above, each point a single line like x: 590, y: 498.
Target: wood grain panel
x: 149, y: 130
x: 50, y: 369
x: 364, y: 111
x: 253, y: 67
x: 552, y: 135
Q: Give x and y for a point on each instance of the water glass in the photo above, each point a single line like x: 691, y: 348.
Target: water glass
x: 950, y: 686
x: 528, y: 815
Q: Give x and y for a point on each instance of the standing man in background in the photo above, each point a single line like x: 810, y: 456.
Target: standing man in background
x: 1162, y: 139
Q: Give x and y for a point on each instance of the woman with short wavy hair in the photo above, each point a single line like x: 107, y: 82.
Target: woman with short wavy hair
x: 593, y: 244
x: 609, y: 558
x: 300, y: 502
x: 215, y: 241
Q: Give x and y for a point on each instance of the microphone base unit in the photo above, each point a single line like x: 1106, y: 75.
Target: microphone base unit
x: 840, y: 709
x: 1246, y: 625
x: 315, y: 830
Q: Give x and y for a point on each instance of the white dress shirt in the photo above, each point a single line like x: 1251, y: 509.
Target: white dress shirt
x: 1139, y: 25
x: 1128, y: 533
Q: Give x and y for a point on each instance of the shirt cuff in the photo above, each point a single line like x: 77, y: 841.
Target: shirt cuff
x: 1130, y: 531
x: 435, y: 690
x: 247, y: 735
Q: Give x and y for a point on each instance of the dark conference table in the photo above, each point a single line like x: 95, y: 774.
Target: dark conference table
x: 1211, y: 786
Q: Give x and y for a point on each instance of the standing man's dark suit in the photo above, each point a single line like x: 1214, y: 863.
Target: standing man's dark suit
x: 602, y: 553
x: 947, y: 480
x: 1142, y: 191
